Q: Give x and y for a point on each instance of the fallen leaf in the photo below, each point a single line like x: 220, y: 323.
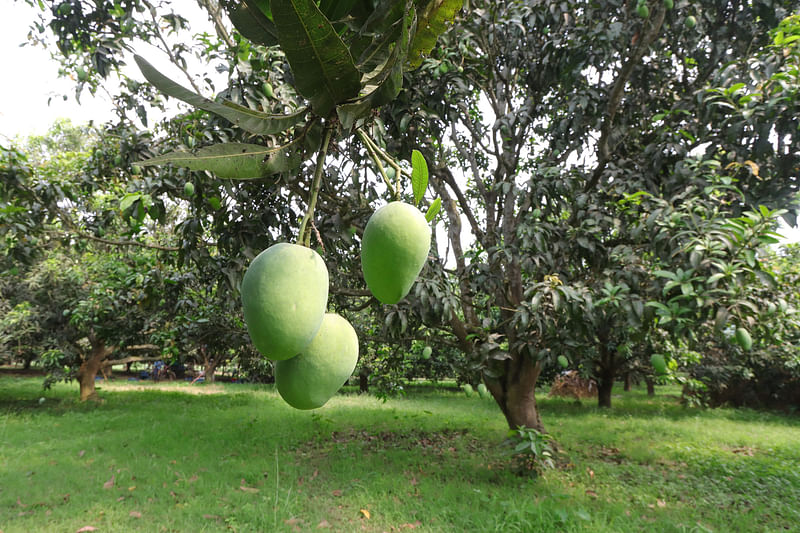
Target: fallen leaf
x: 121, y: 499
x: 133, y: 487
x: 110, y: 483
x: 365, y: 513
x: 315, y: 474
x: 324, y: 524
x: 81, y: 453
x: 210, y: 516
x: 86, y: 528
x: 135, y: 514
x: 336, y: 492
x: 411, y: 526
x: 591, y: 494
x: 590, y: 472
x: 192, y: 479
x: 248, y: 489
x: 661, y: 503
x: 292, y: 521
x: 19, y: 503
x: 414, y: 481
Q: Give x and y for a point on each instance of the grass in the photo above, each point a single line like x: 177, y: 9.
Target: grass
x: 236, y: 458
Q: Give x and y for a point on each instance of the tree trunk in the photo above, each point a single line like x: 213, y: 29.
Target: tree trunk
x: 606, y: 370
x: 627, y: 387
x: 651, y: 386
x: 363, y: 381
x: 604, y: 388
x: 209, y: 366
x: 90, y: 366
x: 515, y: 392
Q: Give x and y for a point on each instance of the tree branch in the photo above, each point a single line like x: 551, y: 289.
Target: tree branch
x: 83, y: 235
x: 167, y: 49
x: 215, y: 15
x: 448, y: 178
x: 652, y: 27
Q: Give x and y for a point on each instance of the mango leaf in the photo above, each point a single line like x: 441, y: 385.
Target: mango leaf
x: 244, y: 117
x: 128, y: 200
x: 419, y: 175
x: 336, y: 9
x: 384, y: 84
x: 432, y: 23
x: 235, y: 160
x: 434, y: 209
x: 321, y: 63
x: 251, y: 18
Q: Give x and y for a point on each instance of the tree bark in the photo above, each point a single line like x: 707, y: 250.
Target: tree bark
x: 604, y: 388
x: 627, y: 387
x: 90, y: 366
x: 210, y: 366
x: 515, y: 392
x: 606, y: 369
x: 651, y: 386
x: 363, y: 381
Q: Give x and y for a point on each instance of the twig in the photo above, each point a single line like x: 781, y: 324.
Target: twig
x: 373, y: 154
x: 167, y: 49
x: 315, y: 186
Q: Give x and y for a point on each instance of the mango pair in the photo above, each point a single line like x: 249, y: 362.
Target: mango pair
x: 284, y: 297
x: 285, y: 294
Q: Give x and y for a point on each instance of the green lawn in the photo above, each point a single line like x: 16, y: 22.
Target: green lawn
x: 236, y: 458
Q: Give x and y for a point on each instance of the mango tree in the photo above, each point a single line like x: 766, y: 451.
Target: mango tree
x: 552, y: 143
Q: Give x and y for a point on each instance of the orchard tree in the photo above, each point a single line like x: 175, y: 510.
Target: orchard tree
x: 80, y: 261
x: 543, y: 124
x: 566, y: 136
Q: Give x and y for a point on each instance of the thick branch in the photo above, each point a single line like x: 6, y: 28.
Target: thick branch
x: 448, y: 178
x: 215, y: 15
x: 454, y: 236
x: 651, y: 29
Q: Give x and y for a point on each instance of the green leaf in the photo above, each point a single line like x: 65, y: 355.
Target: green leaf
x: 336, y: 9
x: 251, y: 18
x: 246, y: 118
x: 432, y: 23
x: 323, y: 68
x: 235, y: 160
x: 419, y: 175
x: 128, y: 200
x: 433, y: 210
x: 383, y: 84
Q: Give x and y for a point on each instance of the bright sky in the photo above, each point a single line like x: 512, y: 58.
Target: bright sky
x: 33, y: 98
x: 32, y: 78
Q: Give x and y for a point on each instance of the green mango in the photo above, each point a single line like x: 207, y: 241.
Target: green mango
x: 659, y: 365
x: 394, y: 249
x: 468, y: 390
x: 743, y: 338
x: 642, y: 10
x: 426, y: 352
x: 563, y: 361
x: 309, y: 380
x: 690, y: 22
x: 669, y: 4
x: 268, y: 91
x: 483, y: 392
x: 284, y: 296
x: 188, y: 189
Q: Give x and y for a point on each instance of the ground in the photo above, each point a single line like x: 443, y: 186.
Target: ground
x: 160, y: 457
